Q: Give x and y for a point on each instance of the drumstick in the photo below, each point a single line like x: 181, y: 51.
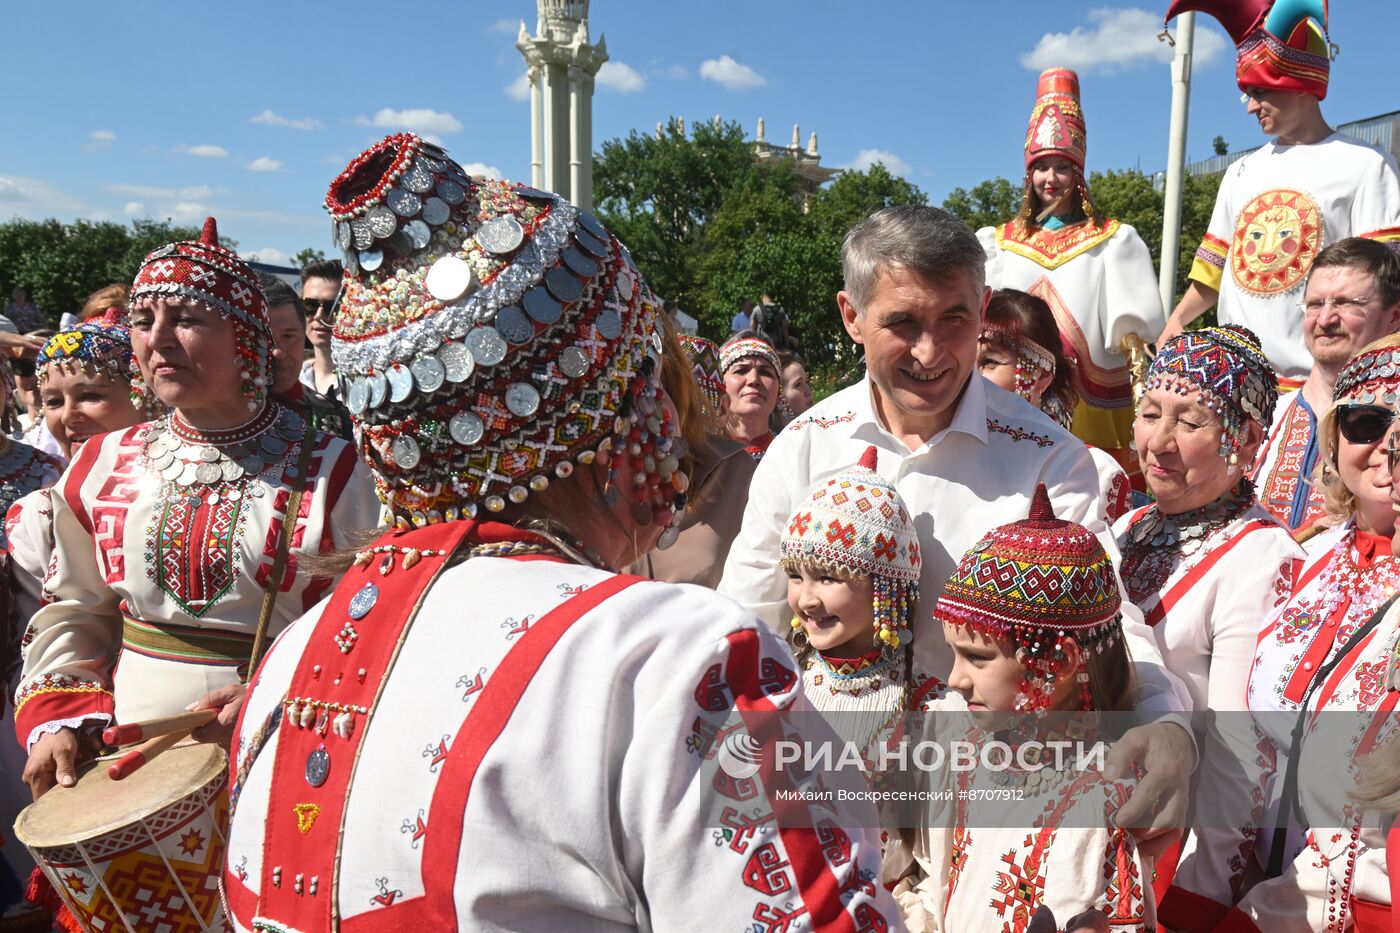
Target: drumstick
x: 127, y: 733
x: 132, y: 761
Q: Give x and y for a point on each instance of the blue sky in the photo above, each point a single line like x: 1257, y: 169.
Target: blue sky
x: 142, y: 108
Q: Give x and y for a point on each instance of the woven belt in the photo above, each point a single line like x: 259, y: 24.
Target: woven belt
x: 186, y: 644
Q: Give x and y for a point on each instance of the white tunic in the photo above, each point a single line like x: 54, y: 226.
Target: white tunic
x: 976, y: 474
x: 530, y: 765
x: 1277, y: 208
x: 159, y: 579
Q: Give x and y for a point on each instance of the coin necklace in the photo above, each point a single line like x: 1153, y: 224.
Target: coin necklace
x: 189, y: 457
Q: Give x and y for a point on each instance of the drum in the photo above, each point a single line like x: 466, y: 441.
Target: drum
x: 145, y: 853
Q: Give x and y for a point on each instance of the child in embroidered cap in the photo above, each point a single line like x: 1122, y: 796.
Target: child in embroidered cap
x: 852, y: 560
x: 1032, y: 614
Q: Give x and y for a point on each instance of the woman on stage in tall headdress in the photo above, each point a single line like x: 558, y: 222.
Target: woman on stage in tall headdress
x: 481, y: 692
x: 1094, y: 272
x: 171, y: 540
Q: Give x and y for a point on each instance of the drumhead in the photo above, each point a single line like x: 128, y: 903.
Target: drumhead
x: 96, y: 805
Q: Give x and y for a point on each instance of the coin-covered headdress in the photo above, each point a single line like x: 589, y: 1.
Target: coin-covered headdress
x: 1281, y: 44
x: 1371, y: 377
x: 491, y: 337
x: 203, y: 271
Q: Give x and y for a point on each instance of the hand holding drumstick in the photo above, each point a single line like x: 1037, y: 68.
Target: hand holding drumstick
x: 210, y: 719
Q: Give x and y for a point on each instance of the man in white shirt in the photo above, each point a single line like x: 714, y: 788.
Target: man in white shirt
x: 1281, y: 204
x: 1352, y: 298
x: 965, y: 455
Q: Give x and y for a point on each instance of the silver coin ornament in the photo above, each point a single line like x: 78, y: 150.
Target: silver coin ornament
x: 418, y: 233
x: 449, y: 278
x: 591, y: 244
x: 400, y: 382
x: 352, y: 262
x: 542, y: 306
x: 487, y: 346
x: 573, y: 362
x: 363, y: 601
x: 436, y: 211
x: 417, y: 179
x: 514, y: 326
x: 378, y: 388
x: 208, y: 473
x: 608, y: 324
x: 579, y: 263
x: 231, y: 471
x: 451, y: 192
x: 534, y: 194
x: 371, y: 259
x: 399, y: 242
x: 405, y: 452
x: 404, y: 203
x: 466, y: 429
x: 361, y: 235
x: 434, y: 165
x: 590, y: 223
x: 343, y: 235
x: 318, y: 766
x: 563, y: 285
x: 382, y: 221
x: 501, y: 235
x: 457, y: 362
x: 429, y: 373
x: 522, y: 399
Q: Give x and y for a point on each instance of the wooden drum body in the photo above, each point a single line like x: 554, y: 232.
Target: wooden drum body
x: 145, y: 853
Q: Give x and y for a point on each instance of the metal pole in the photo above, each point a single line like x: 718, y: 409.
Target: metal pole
x: 1176, y: 157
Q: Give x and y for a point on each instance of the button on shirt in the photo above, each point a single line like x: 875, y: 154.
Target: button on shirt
x: 976, y: 474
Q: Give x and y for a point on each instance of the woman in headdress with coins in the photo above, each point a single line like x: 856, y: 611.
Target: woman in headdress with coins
x: 503, y: 361
x: 1094, y: 272
x: 172, y: 543
x: 1321, y: 649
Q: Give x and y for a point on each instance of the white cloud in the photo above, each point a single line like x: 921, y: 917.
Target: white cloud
x: 273, y: 119
x: 264, y: 164
x: 268, y: 255
x: 204, y: 151
x: 482, y: 170
x: 186, y: 212
x: 620, y: 77
x: 504, y: 27
x: 733, y: 75
x: 678, y: 72
x: 868, y: 157
x: 420, y: 120
x: 519, y: 89
x: 1115, y: 40
x: 134, y: 209
x: 35, y: 197
x: 105, y: 137
x: 188, y: 193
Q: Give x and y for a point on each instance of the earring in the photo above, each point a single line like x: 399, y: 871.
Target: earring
x: 800, y: 641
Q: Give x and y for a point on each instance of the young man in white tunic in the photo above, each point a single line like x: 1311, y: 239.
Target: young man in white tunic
x: 1281, y: 204
x: 1352, y: 298
x: 964, y: 455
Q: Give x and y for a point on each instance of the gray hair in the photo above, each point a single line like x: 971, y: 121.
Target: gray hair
x: 926, y: 240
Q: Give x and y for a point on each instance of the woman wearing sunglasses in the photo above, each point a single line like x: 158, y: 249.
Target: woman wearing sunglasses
x: 1320, y: 650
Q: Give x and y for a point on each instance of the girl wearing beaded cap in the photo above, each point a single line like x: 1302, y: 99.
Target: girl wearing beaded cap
x: 1032, y: 615
x: 852, y: 560
x: 171, y: 539
x: 503, y: 360
x: 1313, y: 653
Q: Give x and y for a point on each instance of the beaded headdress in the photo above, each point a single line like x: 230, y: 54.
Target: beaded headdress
x: 1229, y: 370
x: 1057, y: 125
x: 744, y: 347
x: 203, y: 271
x: 101, y: 348
x: 1282, y: 44
x: 491, y: 336
x: 856, y: 524
x: 1372, y: 377
x: 704, y: 364
x: 1036, y: 583
x: 1032, y: 360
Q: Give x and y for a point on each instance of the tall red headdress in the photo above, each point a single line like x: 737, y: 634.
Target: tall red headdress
x: 1282, y: 44
x: 1057, y: 121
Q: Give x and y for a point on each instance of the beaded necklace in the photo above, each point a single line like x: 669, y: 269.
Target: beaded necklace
x: 1154, y: 544
x: 1366, y: 588
x: 188, y: 457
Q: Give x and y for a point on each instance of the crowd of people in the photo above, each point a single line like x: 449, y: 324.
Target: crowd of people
x: 482, y: 596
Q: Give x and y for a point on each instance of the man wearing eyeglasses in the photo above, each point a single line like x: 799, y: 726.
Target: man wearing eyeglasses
x: 320, y: 284
x: 1352, y: 298
x: 1281, y: 204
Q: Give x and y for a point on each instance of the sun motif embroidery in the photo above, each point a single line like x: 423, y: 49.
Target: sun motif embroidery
x: 1276, y: 238
x: 191, y: 842
x: 76, y: 883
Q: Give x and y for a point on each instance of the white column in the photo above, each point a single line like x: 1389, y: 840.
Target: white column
x: 549, y: 102
x: 583, y: 192
x: 1176, y: 158
x: 536, y: 128
x: 576, y: 135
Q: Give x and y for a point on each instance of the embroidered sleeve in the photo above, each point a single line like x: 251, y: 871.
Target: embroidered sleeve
x: 1208, y: 266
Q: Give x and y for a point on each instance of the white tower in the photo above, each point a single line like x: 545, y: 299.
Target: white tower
x: 561, y: 64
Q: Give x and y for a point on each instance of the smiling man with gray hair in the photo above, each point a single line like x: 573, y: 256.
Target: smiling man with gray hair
x: 965, y: 455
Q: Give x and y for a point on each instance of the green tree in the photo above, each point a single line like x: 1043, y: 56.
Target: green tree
x: 989, y: 203
x: 306, y: 257
x: 1220, y: 146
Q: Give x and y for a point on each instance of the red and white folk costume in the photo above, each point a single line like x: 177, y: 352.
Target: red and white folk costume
x: 1095, y: 273
x: 1284, y: 471
x: 165, y: 535
x: 1347, y: 576
x: 400, y: 763
x: 1280, y: 205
